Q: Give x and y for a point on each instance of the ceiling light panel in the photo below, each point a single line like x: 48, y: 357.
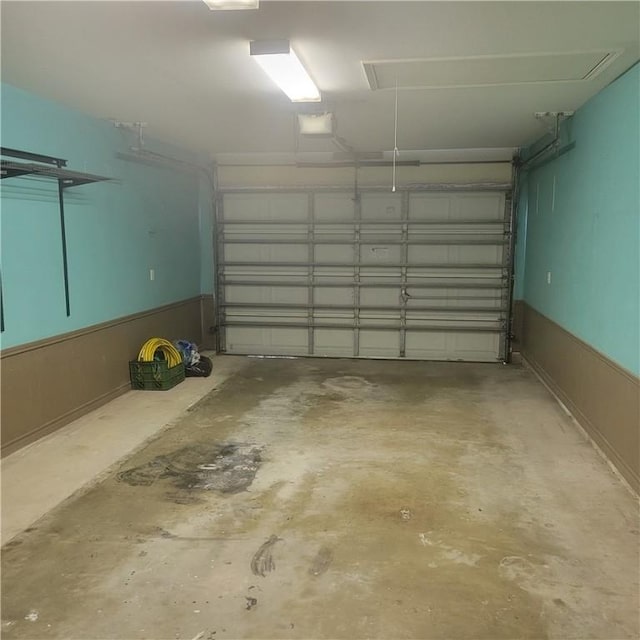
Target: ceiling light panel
x: 280, y: 62
x: 488, y: 70
x: 231, y: 5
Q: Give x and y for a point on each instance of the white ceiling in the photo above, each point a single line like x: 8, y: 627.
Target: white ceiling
x: 186, y: 70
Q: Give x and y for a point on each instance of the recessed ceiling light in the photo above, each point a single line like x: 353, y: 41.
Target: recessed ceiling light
x: 283, y: 66
x: 231, y: 5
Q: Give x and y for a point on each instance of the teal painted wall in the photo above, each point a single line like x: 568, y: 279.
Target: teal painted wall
x: 148, y: 218
x: 583, y: 226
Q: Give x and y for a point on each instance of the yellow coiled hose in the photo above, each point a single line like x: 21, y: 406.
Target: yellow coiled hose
x: 149, y: 348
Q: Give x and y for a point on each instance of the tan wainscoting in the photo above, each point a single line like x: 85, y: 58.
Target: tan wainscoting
x: 49, y: 383
x: 603, y: 397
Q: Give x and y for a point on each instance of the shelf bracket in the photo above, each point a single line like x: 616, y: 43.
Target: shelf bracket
x: 48, y: 167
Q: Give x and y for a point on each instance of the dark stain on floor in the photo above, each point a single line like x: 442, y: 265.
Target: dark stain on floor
x: 227, y: 468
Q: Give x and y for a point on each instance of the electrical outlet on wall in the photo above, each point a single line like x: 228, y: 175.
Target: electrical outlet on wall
x: 152, y: 274
x: 548, y: 277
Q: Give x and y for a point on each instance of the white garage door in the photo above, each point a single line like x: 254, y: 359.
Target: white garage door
x: 414, y: 274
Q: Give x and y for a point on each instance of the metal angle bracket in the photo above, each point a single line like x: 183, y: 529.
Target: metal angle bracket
x: 136, y: 127
x: 552, y: 119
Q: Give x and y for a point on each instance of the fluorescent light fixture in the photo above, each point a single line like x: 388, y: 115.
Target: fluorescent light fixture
x: 316, y: 124
x: 231, y: 5
x: 283, y: 66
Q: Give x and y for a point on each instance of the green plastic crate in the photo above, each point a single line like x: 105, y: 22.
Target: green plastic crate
x: 155, y: 376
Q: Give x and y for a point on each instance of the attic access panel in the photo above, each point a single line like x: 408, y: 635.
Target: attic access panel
x: 408, y: 275
x: 487, y: 70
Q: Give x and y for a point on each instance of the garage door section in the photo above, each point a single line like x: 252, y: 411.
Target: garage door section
x: 414, y: 274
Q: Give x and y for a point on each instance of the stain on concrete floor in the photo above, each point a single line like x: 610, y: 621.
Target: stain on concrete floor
x: 226, y: 467
x: 342, y: 499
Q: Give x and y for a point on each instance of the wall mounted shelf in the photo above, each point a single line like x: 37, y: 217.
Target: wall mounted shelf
x: 39, y: 165
x: 12, y: 169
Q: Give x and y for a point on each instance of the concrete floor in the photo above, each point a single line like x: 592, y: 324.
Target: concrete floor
x: 340, y: 499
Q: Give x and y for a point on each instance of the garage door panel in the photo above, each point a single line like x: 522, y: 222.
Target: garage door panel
x: 253, y: 206
x: 429, y: 206
x: 428, y: 254
x: 333, y: 342
x: 253, y: 253
x: 469, y: 347
x: 456, y: 207
x: 334, y: 253
x: 266, y: 341
x: 380, y: 206
x: 405, y: 275
x: 478, y: 206
x: 380, y: 254
x: 481, y: 254
x: 246, y: 294
x: 287, y: 295
x: 260, y: 295
x: 384, y: 297
x: 333, y: 295
x: 379, y: 344
x: 333, y: 206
